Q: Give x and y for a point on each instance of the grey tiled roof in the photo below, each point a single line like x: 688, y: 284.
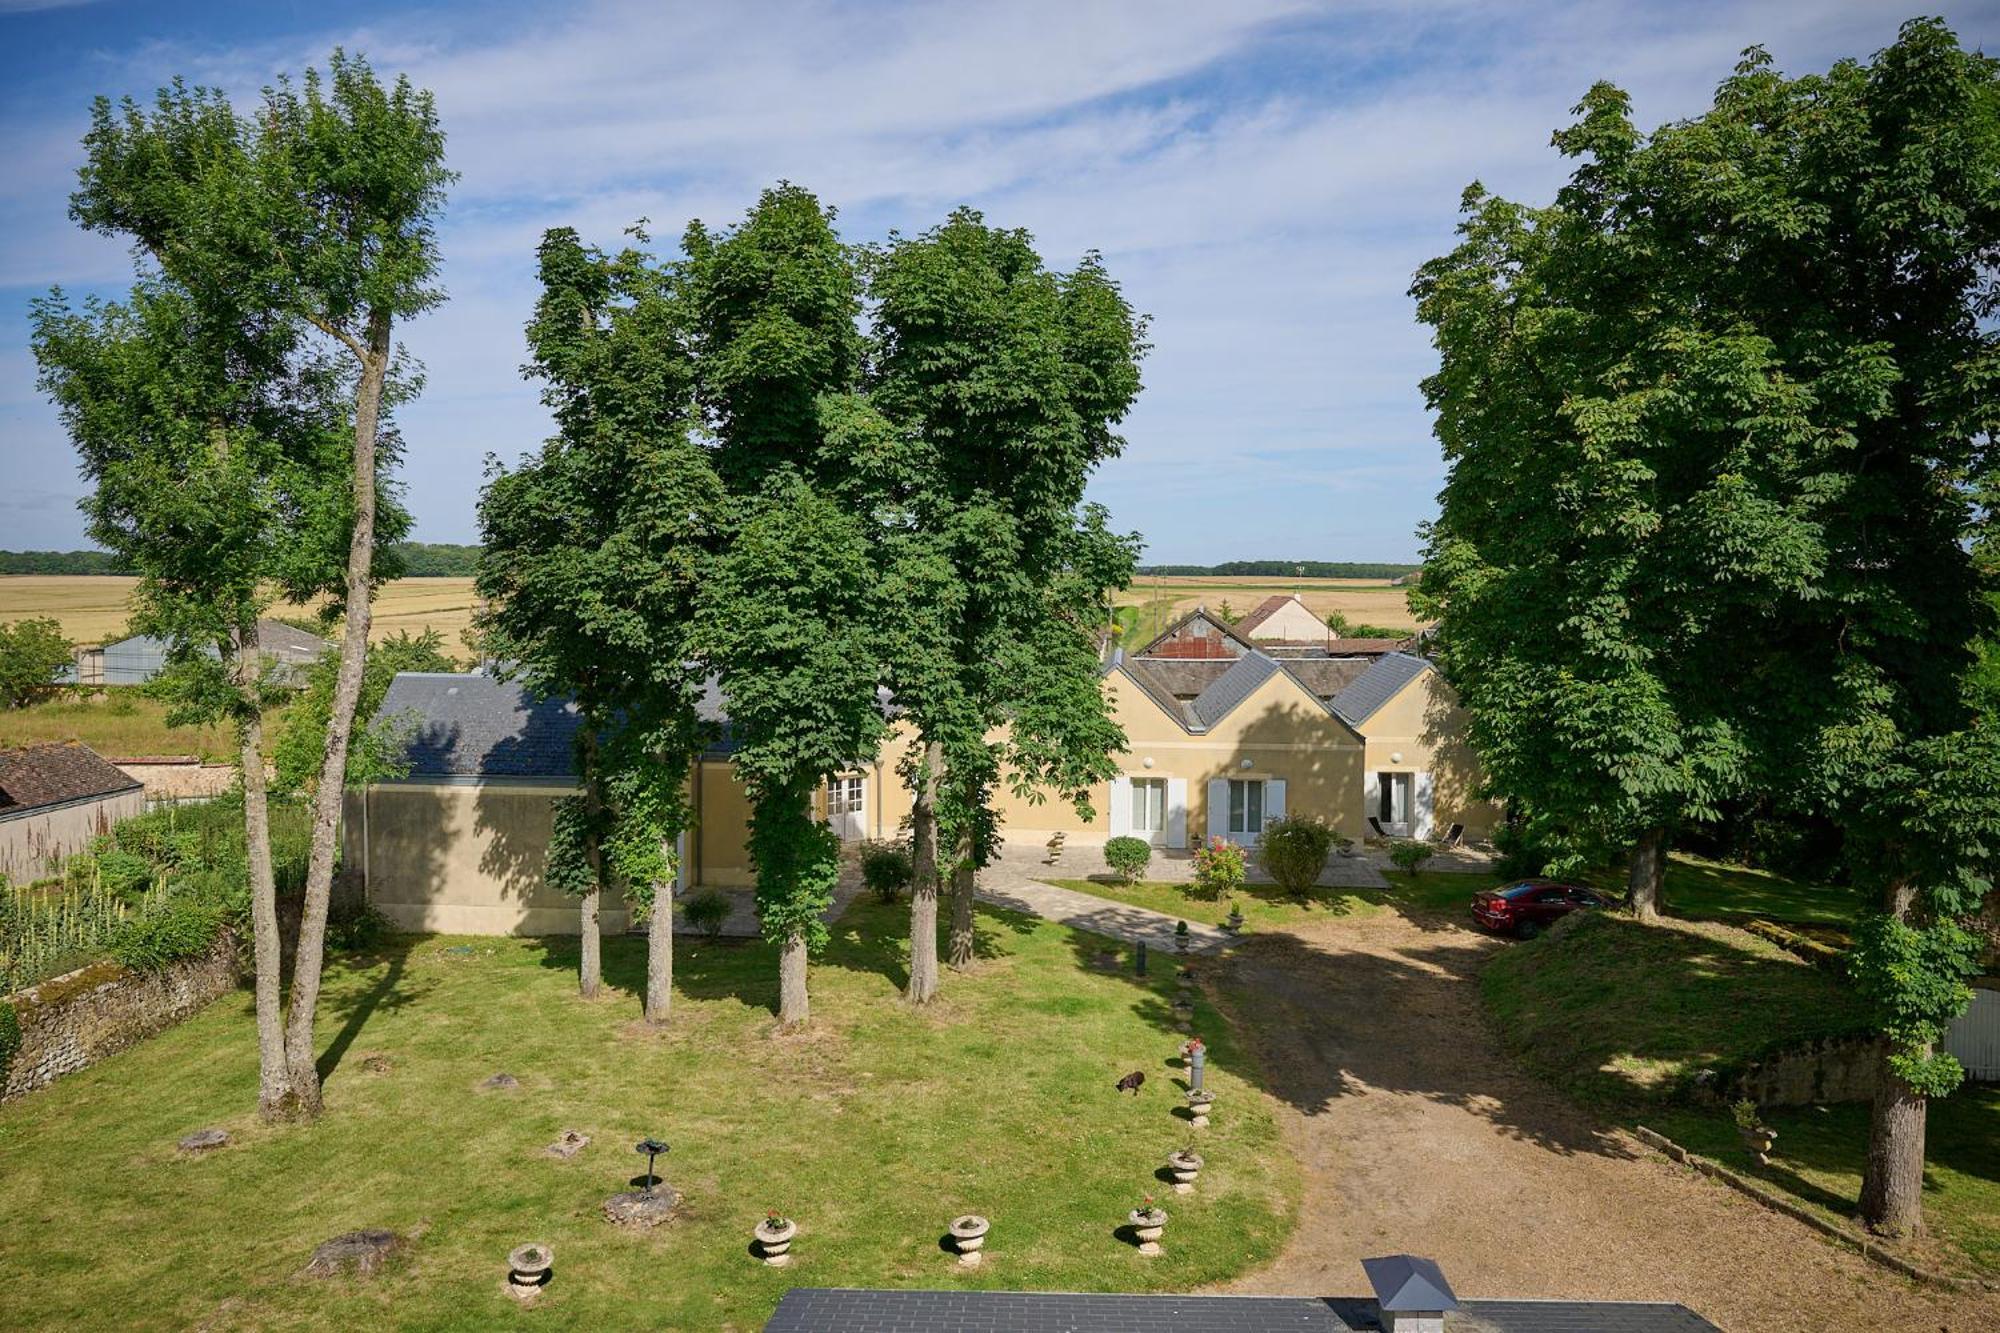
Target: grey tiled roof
x: 1325, y: 676
x: 481, y: 726
x: 33, y: 776
x: 1233, y: 686
x: 1182, y: 677
x: 829, y: 1310
x: 1376, y: 686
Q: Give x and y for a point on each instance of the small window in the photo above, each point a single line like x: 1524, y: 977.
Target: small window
x: 1149, y: 806
x: 1246, y: 806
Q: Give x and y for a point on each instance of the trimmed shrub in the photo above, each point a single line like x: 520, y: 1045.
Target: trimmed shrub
x: 1410, y: 855
x: 352, y: 922
x: 706, y: 911
x: 1128, y: 857
x: 1294, y: 849
x: 10, y: 1038
x: 886, y: 869
x: 1219, y: 868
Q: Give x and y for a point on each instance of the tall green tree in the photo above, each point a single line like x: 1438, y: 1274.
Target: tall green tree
x: 594, y: 551
x: 34, y: 653
x: 788, y: 617
x: 376, y: 752
x: 1734, y: 394
x: 213, y: 442
x: 993, y: 390
x: 317, y: 216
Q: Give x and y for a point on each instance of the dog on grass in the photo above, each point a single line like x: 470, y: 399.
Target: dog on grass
x: 1132, y: 1082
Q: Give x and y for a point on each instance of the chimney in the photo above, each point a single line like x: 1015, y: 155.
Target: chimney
x: 1410, y: 1293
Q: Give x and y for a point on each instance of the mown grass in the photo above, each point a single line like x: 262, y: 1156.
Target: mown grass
x: 1618, y: 1012
x: 1700, y: 889
x: 1821, y: 1151
x: 872, y: 1129
x: 1264, y: 906
x: 122, y: 723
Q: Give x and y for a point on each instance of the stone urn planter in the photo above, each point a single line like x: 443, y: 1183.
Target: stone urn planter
x: 1184, y: 1012
x: 528, y: 1269
x: 1199, y: 1105
x: 1760, y: 1140
x: 774, y: 1239
x: 968, y: 1237
x: 1233, y: 923
x: 1148, y: 1225
x: 1185, y: 1166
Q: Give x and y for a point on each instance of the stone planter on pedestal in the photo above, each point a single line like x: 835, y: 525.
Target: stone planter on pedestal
x: 774, y: 1240
x: 1185, y: 1166
x: 1760, y: 1140
x: 1148, y: 1224
x: 528, y: 1269
x: 968, y: 1237
x: 1199, y: 1105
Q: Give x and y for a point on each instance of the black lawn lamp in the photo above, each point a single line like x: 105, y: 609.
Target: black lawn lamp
x: 652, y: 1148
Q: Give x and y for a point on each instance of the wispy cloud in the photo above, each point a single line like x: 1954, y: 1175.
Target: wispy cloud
x: 1263, y: 176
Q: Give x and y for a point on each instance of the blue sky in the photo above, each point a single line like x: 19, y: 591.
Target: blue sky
x: 1262, y: 175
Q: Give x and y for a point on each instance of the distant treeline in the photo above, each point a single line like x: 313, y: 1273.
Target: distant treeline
x: 1283, y: 569
x: 420, y: 560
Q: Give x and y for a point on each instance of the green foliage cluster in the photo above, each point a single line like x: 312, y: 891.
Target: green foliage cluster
x: 355, y: 924
x: 175, y: 930
x: 1284, y: 569
x: 1129, y: 857
x: 1220, y: 868
x: 707, y: 911
x: 60, y: 562
x: 1293, y: 851
x: 1409, y: 854
x: 886, y: 869
x: 10, y: 1034
x: 436, y: 560
x: 376, y: 750
x: 34, y: 654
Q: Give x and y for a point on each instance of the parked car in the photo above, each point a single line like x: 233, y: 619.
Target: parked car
x: 1530, y: 906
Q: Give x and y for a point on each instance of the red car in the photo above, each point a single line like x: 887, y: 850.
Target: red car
x: 1528, y: 907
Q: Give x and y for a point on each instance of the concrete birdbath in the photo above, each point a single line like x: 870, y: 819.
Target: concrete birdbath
x: 1185, y: 1165
x: 968, y: 1236
x: 528, y: 1270
x: 774, y: 1239
x: 1148, y: 1225
x: 1199, y: 1105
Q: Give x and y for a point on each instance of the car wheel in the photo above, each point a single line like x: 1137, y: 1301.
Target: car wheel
x: 1530, y: 929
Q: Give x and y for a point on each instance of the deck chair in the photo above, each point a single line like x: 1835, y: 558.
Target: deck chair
x: 1452, y: 836
x: 1376, y: 824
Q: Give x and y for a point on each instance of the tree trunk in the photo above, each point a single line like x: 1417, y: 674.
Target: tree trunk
x: 1646, y: 880
x: 923, y: 985
x: 660, y: 955
x: 300, y: 1050
x: 590, y: 968
x: 960, y: 955
x: 273, y: 1082
x: 794, y: 1008
x: 1892, y: 1179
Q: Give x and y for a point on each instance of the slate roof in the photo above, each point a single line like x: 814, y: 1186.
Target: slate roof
x: 1263, y: 611
x: 1376, y: 686
x: 1325, y: 676
x: 831, y: 1310
x: 1232, y: 687
x: 478, y: 726
x: 1183, y: 678
x: 1406, y: 1282
x: 34, y: 776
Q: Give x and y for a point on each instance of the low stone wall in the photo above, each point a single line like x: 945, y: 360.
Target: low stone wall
x: 1830, y: 1069
x: 71, y: 1022
x: 168, y: 778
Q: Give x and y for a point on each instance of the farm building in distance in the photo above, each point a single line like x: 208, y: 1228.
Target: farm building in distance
x: 136, y: 660
x: 53, y: 800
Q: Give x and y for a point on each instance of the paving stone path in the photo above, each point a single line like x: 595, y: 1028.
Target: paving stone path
x: 1099, y: 916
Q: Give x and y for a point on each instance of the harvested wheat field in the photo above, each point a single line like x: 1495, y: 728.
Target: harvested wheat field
x: 1361, y: 602
x: 93, y: 607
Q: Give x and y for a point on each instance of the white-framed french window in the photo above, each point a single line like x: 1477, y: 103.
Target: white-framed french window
x: 1395, y: 803
x: 1246, y: 808
x: 1149, y: 809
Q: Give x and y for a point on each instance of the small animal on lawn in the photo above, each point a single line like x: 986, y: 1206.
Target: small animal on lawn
x: 1132, y: 1082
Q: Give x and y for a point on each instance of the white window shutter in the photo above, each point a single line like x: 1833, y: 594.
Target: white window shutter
x: 1274, y: 799
x: 1371, y: 797
x: 1218, y: 807
x: 1421, y: 828
x: 1176, y: 812
x: 680, y: 862
x: 1121, y: 806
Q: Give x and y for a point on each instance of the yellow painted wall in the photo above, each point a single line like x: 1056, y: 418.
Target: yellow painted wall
x: 1425, y: 726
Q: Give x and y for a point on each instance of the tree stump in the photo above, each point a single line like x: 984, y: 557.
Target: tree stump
x: 362, y: 1252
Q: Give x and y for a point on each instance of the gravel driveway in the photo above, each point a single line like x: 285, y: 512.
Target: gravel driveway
x: 1416, y: 1133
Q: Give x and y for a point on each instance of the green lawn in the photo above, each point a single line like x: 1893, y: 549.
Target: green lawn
x: 1701, y: 889
x: 873, y: 1129
x: 1620, y: 1013
x: 1820, y: 1154
x: 121, y: 724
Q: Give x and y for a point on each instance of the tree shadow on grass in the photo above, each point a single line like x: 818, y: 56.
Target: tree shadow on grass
x: 873, y: 936
x: 385, y: 994
x: 744, y: 970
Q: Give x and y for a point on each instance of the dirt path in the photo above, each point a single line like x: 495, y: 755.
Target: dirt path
x: 1416, y: 1133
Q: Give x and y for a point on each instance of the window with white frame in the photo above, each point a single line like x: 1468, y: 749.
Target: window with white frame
x: 1246, y: 806
x: 1393, y: 801
x: 1149, y: 808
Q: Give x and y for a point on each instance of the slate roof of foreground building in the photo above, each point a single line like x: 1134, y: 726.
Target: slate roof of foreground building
x: 35, y: 777
x: 1352, y: 689
x: 830, y: 1310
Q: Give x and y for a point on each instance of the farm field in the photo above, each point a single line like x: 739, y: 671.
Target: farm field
x: 1361, y: 601
x: 93, y: 607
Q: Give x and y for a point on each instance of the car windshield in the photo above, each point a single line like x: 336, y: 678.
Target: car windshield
x: 1521, y: 890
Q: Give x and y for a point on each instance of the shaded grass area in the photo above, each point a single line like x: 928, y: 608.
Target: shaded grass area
x: 1618, y: 1012
x: 1820, y: 1155
x: 873, y: 1129
x: 123, y: 723
x: 1700, y: 889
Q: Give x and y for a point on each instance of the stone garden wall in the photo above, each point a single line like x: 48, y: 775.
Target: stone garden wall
x: 71, y: 1022
x: 1831, y: 1069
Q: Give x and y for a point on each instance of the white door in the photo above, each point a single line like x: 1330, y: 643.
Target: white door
x: 1149, y: 810
x: 1247, y: 810
x: 1394, y: 799
x: 847, y: 807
